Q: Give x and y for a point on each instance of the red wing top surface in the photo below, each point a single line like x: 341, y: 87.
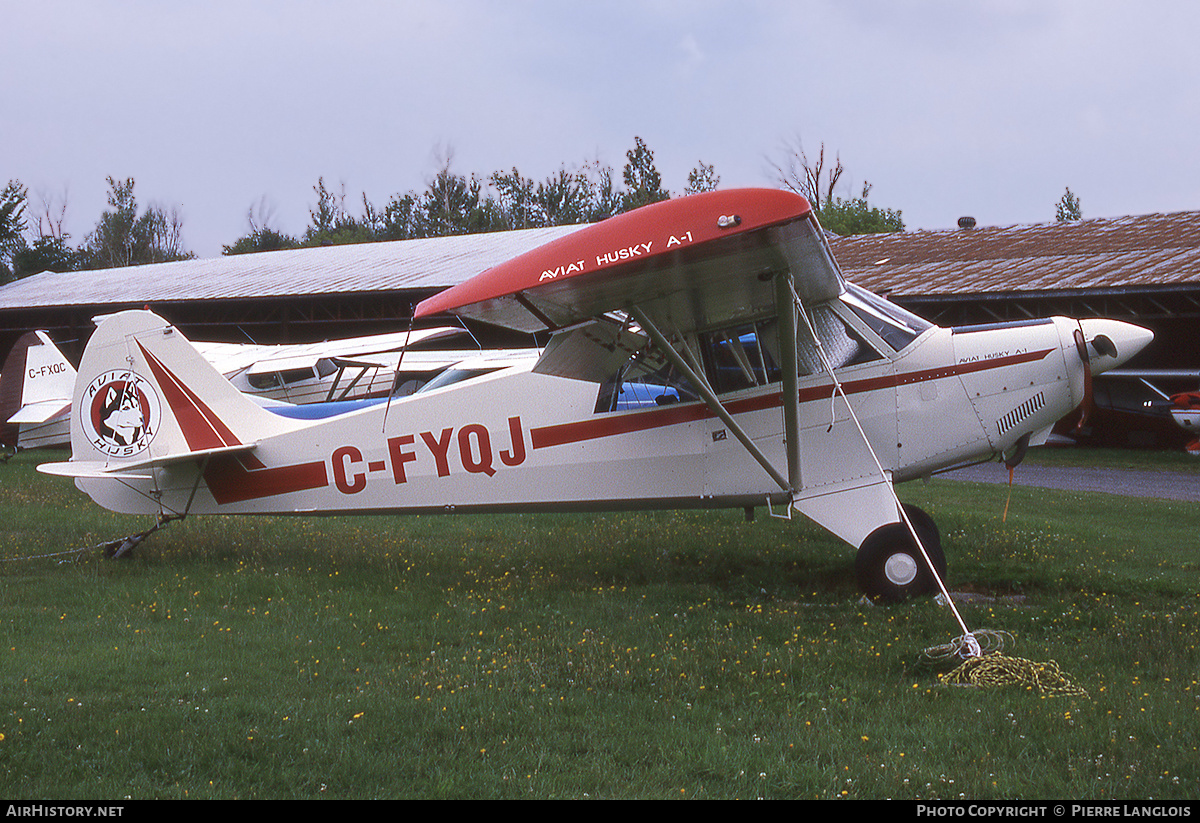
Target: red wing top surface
x: 699, y: 259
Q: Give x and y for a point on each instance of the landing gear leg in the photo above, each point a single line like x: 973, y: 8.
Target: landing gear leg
x: 889, y: 564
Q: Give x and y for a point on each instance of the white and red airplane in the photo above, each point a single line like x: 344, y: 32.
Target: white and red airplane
x: 703, y: 352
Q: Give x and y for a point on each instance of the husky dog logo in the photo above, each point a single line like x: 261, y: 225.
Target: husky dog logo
x: 120, y: 412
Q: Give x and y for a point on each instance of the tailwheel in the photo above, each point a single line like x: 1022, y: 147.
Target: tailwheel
x: 889, y: 565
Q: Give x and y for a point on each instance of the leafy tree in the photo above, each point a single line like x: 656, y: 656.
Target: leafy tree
x: 399, y: 220
x: 331, y: 224
x: 453, y: 204
x: 857, y: 216
x: 122, y: 237
x: 262, y: 236
x: 1068, y: 209
x: 600, y: 197
x: 585, y: 195
x: 519, y: 204
x: 642, y: 181
x: 48, y: 253
x: 701, y: 178
x: 12, y: 226
x: 809, y: 178
x: 817, y: 182
x: 567, y: 197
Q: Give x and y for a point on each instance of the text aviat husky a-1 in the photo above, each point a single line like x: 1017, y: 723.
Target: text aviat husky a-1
x: 703, y: 352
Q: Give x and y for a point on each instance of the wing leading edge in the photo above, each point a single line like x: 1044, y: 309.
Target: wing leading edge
x: 694, y: 263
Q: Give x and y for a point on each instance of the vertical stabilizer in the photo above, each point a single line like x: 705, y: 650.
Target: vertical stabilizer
x: 144, y: 393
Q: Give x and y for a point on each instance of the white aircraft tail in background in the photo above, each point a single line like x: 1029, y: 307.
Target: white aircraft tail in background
x: 35, y: 394
x: 37, y: 381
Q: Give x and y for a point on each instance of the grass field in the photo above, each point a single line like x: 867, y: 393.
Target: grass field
x: 679, y: 654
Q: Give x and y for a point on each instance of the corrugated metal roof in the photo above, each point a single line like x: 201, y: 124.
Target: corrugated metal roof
x: 1128, y: 252
x: 432, y: 263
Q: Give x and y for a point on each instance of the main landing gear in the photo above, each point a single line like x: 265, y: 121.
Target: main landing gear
x: 891, y: 567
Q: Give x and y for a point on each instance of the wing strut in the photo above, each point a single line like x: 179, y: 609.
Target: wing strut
x: 709, y: 396
x: 785, y: 310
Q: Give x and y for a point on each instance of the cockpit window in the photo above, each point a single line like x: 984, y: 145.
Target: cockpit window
x: 895, y: 326
x: 264, y: 380
x: 644, y: 381
x: 740, y: 358
x: 734, y: 359
x: 451, y: 376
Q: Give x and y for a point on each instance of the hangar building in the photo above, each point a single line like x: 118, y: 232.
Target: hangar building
x: 1143, y: 269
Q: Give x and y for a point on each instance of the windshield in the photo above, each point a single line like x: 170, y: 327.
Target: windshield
x: 896, y: 326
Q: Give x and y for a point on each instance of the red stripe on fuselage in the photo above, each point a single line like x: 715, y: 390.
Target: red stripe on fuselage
x: 231, y: 482
x: 672, y: 415
x: 228, y: 477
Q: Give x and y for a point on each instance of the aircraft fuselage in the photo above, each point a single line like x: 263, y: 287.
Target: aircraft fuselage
x: 516, y: 440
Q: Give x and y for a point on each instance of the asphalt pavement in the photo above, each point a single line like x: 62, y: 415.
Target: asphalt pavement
x: 1164, y: 485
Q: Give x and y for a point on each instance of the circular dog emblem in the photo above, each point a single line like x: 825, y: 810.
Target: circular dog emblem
x: 120, y: 412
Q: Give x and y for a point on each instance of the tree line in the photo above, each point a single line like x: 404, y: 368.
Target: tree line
x: 450, y: 204
x: 453, y: 204
x: 122, y: 237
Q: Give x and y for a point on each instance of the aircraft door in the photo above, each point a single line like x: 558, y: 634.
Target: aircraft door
x: 742, y: 367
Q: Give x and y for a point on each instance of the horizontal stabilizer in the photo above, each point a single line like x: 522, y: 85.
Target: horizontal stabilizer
x: 140, y: 468
x: 36, y: 384
x: 90, y: 468
x: 41, y: 411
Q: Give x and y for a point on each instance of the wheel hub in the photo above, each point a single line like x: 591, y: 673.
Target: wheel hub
x: 900, y: 568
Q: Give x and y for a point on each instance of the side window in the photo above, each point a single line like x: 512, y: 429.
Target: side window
x: 895, y: 325
x: 407, y: 383
x: 741, y: 358
x: 451, y: 376
x: 296, y: 375
x: 643, y: 382
x: 264, y: 380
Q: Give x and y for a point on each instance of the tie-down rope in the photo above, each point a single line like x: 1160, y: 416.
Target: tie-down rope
x: 969, y: 645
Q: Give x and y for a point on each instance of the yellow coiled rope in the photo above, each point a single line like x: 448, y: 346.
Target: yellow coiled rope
x: 991, y: 669
x: 995, y: 670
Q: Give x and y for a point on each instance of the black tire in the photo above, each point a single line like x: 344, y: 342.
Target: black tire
x: 889, y: 565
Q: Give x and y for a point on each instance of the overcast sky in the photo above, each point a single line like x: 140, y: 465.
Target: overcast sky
x: 985, y: 108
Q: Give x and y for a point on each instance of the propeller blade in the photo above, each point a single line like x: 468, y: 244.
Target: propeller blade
x: 1086, y: 406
